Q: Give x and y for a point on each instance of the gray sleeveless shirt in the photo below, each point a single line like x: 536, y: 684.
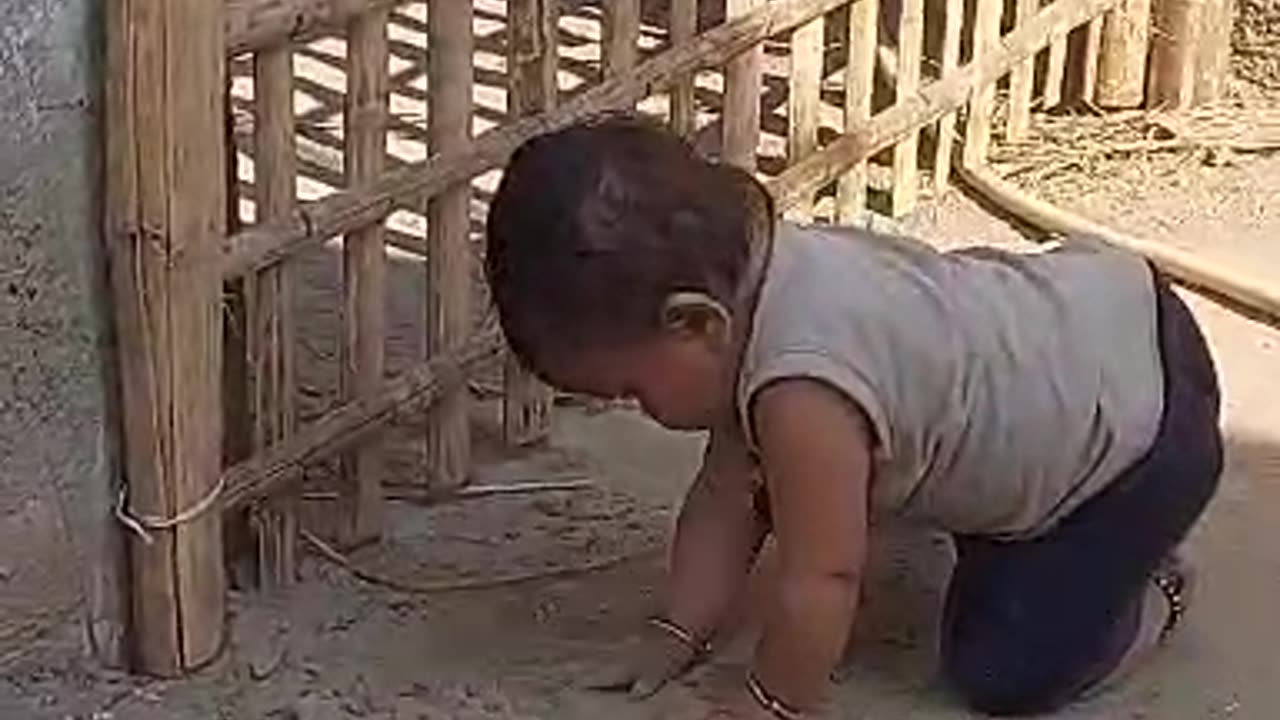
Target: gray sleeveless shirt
x: 1004, y: 389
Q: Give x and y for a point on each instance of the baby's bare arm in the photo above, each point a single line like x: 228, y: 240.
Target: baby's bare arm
x: 718, y: 535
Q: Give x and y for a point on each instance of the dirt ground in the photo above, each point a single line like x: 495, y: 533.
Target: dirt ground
x: 340, y: 647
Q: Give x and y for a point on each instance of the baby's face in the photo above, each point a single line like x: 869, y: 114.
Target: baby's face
x: 681, y: 380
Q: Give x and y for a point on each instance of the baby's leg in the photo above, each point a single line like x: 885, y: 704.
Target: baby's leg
x: 1031, y: 626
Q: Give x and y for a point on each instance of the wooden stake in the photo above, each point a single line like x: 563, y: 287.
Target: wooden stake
x: 1055, y: 72
x: 1175, y: 34
x: 742, y: 85
x: 859, y: 84
x: 986, y: 36
x: 621, y: 33
x: 271, y: 337
x: 165, y: 215
x: 1213, y: 58
x: 1082, y: 63
x: 803, y: 101
x: 906, y: 185
x: 1122, y: 57
x: 532, y: 59
x: 1021, y: 80
x: 684, y: 26
x: 450, y: 45
x: 364, y: 270
x: 952, y: 23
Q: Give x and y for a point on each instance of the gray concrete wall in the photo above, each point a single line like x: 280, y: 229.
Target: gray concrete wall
x: 55, y: 448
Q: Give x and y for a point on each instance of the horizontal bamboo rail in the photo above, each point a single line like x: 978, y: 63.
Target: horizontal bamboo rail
x: 340, y: 428
x: 253, y: 25
x: 268, y: 243
x: 932, y: 102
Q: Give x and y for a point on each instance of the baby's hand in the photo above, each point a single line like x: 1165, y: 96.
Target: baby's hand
x: 663, y: 653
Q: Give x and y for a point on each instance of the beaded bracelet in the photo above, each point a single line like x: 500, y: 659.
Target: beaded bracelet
x: 766, y: 700
x: 685, y: 637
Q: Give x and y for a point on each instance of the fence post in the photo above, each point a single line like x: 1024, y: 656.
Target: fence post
x: 986, y: 37
x: 1214, y: 53
x: 450, y: 44
x: 166, y: 217
x: 1021, y: 80
x: 364, y: 271
x: 952, y: 24
x: 532, y: 63
x: 1122, y: 57
x: 804, y: 101
x: 742, y: 85
x: 269, y: 312
x: 906, y: 154
x: 859, y: 83
x: 684, y: 26
x: 1176, y: 32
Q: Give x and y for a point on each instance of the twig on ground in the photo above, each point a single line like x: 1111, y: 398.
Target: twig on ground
x: 439, y: 587
x: 426, y: 496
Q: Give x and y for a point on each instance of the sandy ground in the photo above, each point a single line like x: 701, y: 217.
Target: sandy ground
x: 338, y: 647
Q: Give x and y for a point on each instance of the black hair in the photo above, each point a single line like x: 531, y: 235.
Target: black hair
x: 593, y: 226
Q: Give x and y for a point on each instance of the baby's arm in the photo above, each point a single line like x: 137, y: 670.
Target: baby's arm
x: 718, y: 535
x: 816, y: 455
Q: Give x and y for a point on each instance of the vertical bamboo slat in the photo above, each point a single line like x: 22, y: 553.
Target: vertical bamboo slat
x: 621, y: 33
x: 1021, y: 80
x: 952, y: 24
x: 271, y: 322
x: 803, y: 101
x: 859, y: 82
x: 684, y: 26
x: 1055, y: 72
x: 1176, y: 28
x: 906, y: 185
x: 1122, y: 56
x: 742, y: 86
x: 986, y: 33
x: 450, y: 45
x: 1082, y: 62
x: 165, y: 219
x: 532, y: 61
x: 364, y: 269
x: 1214, y: 50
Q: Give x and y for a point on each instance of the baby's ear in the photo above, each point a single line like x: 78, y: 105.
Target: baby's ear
x: 697, y: 313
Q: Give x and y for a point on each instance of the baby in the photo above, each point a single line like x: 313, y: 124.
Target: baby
x: 1056, y: 413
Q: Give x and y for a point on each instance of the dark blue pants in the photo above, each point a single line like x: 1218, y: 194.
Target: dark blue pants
x: 1030, y: 625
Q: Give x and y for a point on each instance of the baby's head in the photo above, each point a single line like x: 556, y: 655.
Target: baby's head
x: 615, y: 256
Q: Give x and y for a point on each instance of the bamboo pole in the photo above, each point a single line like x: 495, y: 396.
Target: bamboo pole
x: 1122, y: 56
x: 1021, y: 81
x: 1175, y: 34
x: 1055, y: 71
x: 932, y: 102
x: 859, y: 83
x: 804, y: 101
x: 1257, y: 299
x: 906, y: 154
x: 986, y: 36
x: 266, y: 473
x: 364, y: 267
x: 621, y: 33
x: 1214, y: 51
x: 532, y: 60
x: 742, y: 86
x: 343, y: 211
x: 271, y: 336
x: 165, y: 213
x: 255, y: 25
x: 684, y: 26
x: 450, y: 45
x: 952, y: 23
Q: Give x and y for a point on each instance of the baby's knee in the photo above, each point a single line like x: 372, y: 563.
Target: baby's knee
x: 997, y: 682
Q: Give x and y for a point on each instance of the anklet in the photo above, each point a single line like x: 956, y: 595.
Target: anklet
x: 686, y: 638
x: 766, y: 700
x: 1171, y: 585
